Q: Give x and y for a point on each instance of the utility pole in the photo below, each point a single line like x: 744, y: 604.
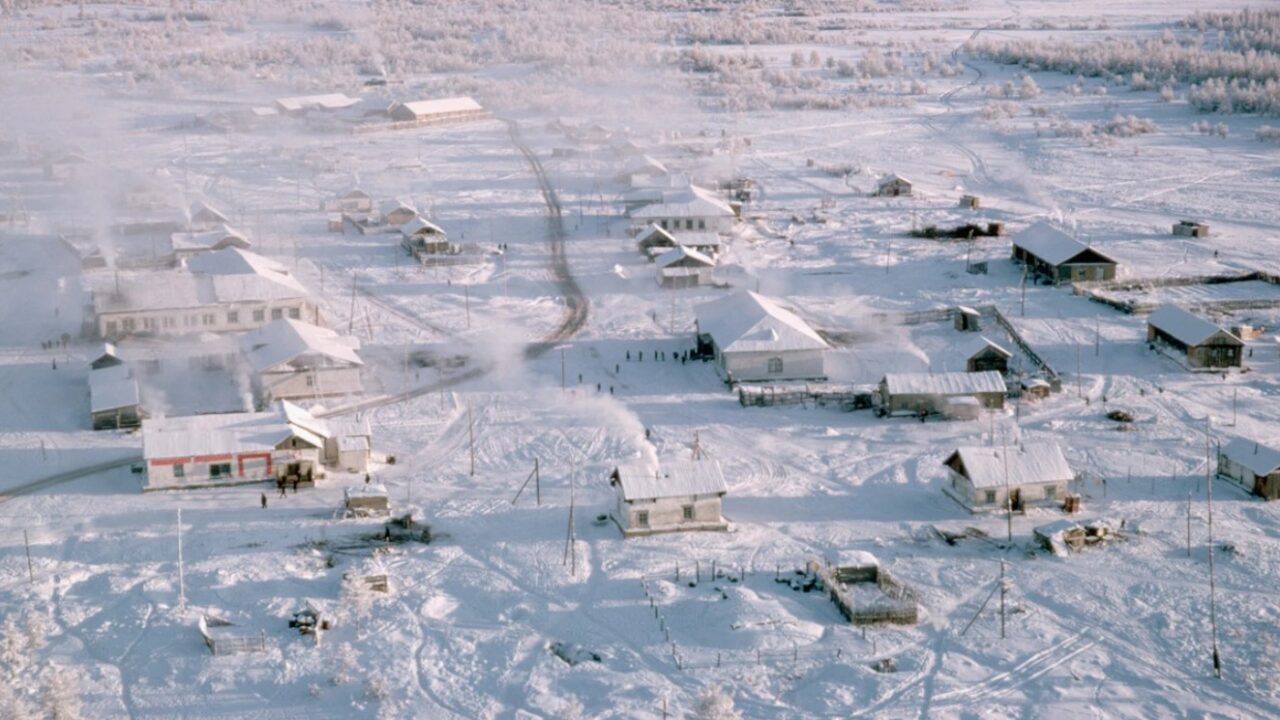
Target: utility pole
x: 1097, y: 337
x: 182, y: 588
x: 1079, y: 380
x: 562, y: 382
x: 471, y: 439
x: 537, y: 482
x: 1008, y: 496
x: 351, y: 317
x: 31, y: 573
x: 1023, y: 309
x: 1213, y: 603
x: 1234, y: 393
x: 1188, y: 524
x: 1003, y: 591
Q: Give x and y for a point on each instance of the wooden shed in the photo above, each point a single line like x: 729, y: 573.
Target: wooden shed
x: 893, y: 185
x: 1206, y: 345
x: 368, y: 500
x: 948, y: 394
x: 1190, y: 228
x: 683, y: 267
x: 992, y: 478
x: 982, y: 354
x: 1251, y: 465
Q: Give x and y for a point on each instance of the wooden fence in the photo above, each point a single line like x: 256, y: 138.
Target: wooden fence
x: 1098, y: 291
x: 222, y: 642
x: 849, y: 397
x: 899, y: 605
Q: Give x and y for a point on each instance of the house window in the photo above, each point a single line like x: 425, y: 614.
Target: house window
x: 276, y: 313
x: 179, y: 471
x: 111, y: 327
x: 687, y: 512
x: 642, y: 518
x: 210, y: 319
x: 259, y: 315
x: 233, y: 317
x: 148, y: 323
x: 128, y: 324
x: 220, y: 470
x: 295, y: 313
x: 989, y: 497
x: 775, y: 365
x: 189, y: 320
x: 310, y: 381
x: 702, y: 224
x: 664, y: 224
x: 1050, y: 492
x: 170, y: 322
x: 688, y: 224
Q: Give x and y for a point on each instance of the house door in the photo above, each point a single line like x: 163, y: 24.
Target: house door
x: 1015, y: 500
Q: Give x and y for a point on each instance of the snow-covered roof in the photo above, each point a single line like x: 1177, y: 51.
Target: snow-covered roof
x: 644, y: 481
x: 644, y: 165
x: 948, y: 383
x: 1258, y: 458
x: 1185, y: 327
x: 228, y: 433
x: 202, y: 208
x: 439, y: 106
x: 749, y: 322
x: 330, y: 101
x: 855, y: 559
x: 892, y: 178
x: 209, y: 239
x: 681, y: 252
x: 354, y: 193
x: 1033, y: 463
x: 154, y: 291
x: 973, y: 346
x: 1051, y: 244
x: 368, y: 490
x: 283, y: 341
x: 112, y: 388
x: 689, y: 202
x: 421, y: 225
x: 386, y: 207
x: 241, y: 275
x: 697, y: 239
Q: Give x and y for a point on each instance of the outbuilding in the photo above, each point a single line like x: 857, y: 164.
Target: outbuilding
x: 220, y: 237
x: 1206, y: 345
x: 752, y: 337
x: 423, y: 237
x: 291, y: 359
x: 440, y: 110
x: 1251, y: 465
x: 352, y: 201
x: 682, y: 267
x: 951, y: 394
x: 114, y: 402
x: 1050, y: 253
x: 990, y: 478
x: 980, y: 354
x: 677, y: 496
x: 396, y: 212
x: 893, y: 185
x: 368, y: 500
x: 203, y: 216
x: 1190, y: 228
x: 329, y: 102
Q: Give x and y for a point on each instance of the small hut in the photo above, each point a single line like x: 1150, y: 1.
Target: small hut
x: 684, y: 267
x: 1190, y: 228
x: 368, y: 500
x: 1206, y: 345
x: 967, y: 319
x: 1251, y: 465
x: 970, y: 202
x: 893, y: 185
x: 423, y: 237
x: 982, y: 354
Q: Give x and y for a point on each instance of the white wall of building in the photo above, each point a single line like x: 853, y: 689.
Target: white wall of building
x: 756, y: 366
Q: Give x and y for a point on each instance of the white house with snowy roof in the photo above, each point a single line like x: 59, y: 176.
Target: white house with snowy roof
x: 328, y: 102
x: 1251, y: 465
x: 683, y: 267
x: 283, y: 444
x: 221, y: 291
x: 688, y: 208
x: 291, y: 359
x: 439, y: 110
x: 673, y: 496
x: 752, y: 337
x: 987, y: 478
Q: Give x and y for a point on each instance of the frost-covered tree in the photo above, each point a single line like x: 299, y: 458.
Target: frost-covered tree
x: 61, y: 695
x: 715, y: 704
x: 13, y: 706
x: 343, y: 660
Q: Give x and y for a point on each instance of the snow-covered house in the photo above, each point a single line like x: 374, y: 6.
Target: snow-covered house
x: 114, y: 402
x: 893, y: 185
x: 980, y: 353
x: 953, y: 394
x: 990, y: 478
x: 682, y: 267
x: 422, y: 237
x: 285, y: 444
x: 454, y: 109
x: 752, y: 337
x: 352, y: 201
x: 329, y: 102
x: 220, y: 291
x: 203, y: 216
x: 1190, y: 228
x: 1251, y: 465
x: 1206, y: 345
x: 291, y: 359
x: 673, y: 497
x: 220, y: 237
x: 1057, y: 257
x: 396, y: 212
x: 653, y: 240
x: 109, y: 357
x: 689, y: 208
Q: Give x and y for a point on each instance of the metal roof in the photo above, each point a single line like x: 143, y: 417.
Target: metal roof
x: 1185, y: 327
x: 229, y: 433
x: 681, y: 252
x: 1051, y: 244
x: 1259, y: 458
x: 330, y: 101
x: 973, y: 346
x: 283, y: 341
x: 948, y: 383
x: 644, y: 481
x: 688, y: 202
x: 748, y: 322
x: 440, y: 106
x: 112, y: 388
x: 1031, y: 464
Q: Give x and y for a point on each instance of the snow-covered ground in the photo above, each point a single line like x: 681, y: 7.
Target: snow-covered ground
x: 1118, y: 630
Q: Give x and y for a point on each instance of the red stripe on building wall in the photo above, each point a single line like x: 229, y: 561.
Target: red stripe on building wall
x: 171, y: 461
x: 211, y: 458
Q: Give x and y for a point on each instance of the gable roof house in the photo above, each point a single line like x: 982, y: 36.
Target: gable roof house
x: 641, y: 166
x: 1251, y: 465
x: 1050, y: 253
x: 220, y: 291
x: 673, y: 497
x: 688, y: 208
x: 422, y: 237
x: 893, y: 185
x: 291, y: 359
x: 220, y: 237
x: 396, y: 212
x: 1206, y: 345
x: 981, y: 354
x: 114, y: 402
x: 354, y: 200
x: 204, y: 216
x: 955, y: 395
x: 990, y: 478
x: 302, y: 104
x: 440, y: 110
x: 682, y: 267
x: 752, y: 337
